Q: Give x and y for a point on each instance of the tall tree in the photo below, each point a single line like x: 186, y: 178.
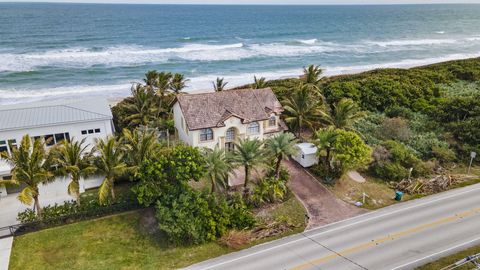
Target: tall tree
x: 281, y: 147
x: 141, y: 144
x: 151, y: 79
x: 302, y: 109
x: 344, y: 114
x: 259, y: 83
x: 219, y: 85
x: 312, y: 74
x: 324, y: 139
x: 249, y: 154
x: 110, y: 163
x: 142, y: 110
x: 73, y: 161
x: 163, y: 82
x: 178, y: 83
x: 218, y: 167
x: 31, y: 166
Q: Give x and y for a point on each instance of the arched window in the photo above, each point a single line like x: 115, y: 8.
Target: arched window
x: 272, y: 121
x: 253, y: 128
x: 206, y: 134
x: 230, y: 135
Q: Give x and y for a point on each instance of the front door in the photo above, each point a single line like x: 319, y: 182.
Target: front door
x: 229, y: 146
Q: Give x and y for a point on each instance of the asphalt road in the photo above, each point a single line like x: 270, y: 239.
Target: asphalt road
x: 402, y: 236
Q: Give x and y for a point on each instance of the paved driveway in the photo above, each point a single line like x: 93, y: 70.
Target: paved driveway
x: 323, y: 206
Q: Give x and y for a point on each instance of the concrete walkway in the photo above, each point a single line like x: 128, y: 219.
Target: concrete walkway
x: 322, y: 206
x: 5, y: 249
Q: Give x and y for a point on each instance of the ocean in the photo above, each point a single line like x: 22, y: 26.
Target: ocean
x: 52, y: 51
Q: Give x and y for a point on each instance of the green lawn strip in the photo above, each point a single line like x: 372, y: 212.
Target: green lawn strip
x: 445, y: 261
x: 117, y: 242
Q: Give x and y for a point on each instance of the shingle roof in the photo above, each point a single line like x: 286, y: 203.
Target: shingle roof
x: 52, y: 113
x: 209, y: 110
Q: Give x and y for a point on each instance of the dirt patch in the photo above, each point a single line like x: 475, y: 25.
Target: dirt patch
x: 322, y: 205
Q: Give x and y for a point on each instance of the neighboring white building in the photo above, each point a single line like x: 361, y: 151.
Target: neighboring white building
x: 54, y: 121
x: 307, y: 155
x: 221, y: 118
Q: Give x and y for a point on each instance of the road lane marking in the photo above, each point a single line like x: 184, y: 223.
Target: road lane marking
x: 390, y: 237
x: 437, y: 253
x: 426, y: 202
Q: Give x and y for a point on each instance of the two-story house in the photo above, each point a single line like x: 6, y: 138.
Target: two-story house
x: 221, y: 118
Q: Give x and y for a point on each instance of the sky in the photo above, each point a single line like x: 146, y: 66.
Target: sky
x: 269, y: 2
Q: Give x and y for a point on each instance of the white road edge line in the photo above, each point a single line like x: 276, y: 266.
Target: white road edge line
x: 436, y: 253
x: 341, y: 227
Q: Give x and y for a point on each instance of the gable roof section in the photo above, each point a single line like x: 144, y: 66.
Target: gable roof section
x: 21, y: 116
x: 208, y: 110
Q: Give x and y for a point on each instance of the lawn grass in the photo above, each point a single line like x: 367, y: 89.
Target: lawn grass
x: 445, y: 261
x: 118, y: 242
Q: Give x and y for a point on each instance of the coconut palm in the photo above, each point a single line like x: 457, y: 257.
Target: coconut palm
x: 248, y: 154
x: 302, y: 109
x: 219, y: 85
x: 73, y: 161
x: 151, y: 79
x: 218, y: 167
x: 141, y: 144
x: 163, y: 82
x: 142, y: 110
x: 281, y: 147
x: 312, y: 74
x: 109, y: 162
x: 177, y: 83
x: 30, y: 166
x: 324, y: 140
x: 259, y: 83
x: 344, y: 114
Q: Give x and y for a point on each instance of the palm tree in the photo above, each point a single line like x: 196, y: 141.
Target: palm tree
x: 151, y: 79
x: 281, y: 146
x: 177, y: 83
x: 219, y: 85
x: 31, y: 166
x: 324, y: 140
x: 218, y: 167
x: 302, y: 109
x: 163, y: 82
x: 259, y: 83
x: 110, y: 163
x: 248, y: 154
x: 142, y: 110
x: 345, y: 113
x: 72, y: 160
x: 141, y: 145
x: 312, y: 74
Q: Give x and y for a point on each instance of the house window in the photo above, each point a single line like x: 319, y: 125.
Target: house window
x: 59, y: 137
x: 12, y: 144
x: 272, y: 121
x: 84, y: 132
x: 49, y: 140
x: 230, y: 135
x: 253, y: 128
x: 97, y: 130
x: 3, y: 146
x: 206, y: 134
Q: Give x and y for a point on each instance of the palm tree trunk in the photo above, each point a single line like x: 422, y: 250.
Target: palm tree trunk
x: 38, y: 207
x: 327, y: 159
x: 213, y: 185
x: 112, y: 193
x: 277, y: 166
x: 247, y: 176
x: 78, y: 199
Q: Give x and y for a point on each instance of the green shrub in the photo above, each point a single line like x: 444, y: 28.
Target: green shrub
x: 269, y: 190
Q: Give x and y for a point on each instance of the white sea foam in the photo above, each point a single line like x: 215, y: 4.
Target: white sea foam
x: 308, y: 41
x: 412, y: 42
x: 440, y: 32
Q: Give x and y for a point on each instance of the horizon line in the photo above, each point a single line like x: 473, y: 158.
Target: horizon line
x: 236, y: 4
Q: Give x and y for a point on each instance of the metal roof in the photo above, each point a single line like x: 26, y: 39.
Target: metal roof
x: 21, y: 116
x: 307, y: 148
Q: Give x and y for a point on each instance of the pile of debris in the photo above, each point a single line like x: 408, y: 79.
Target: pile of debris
x: 436, y: 184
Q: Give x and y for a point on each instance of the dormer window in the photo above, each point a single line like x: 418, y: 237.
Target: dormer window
x: 253, y: 128
x: 206, y: 134
x: 272, y: 122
